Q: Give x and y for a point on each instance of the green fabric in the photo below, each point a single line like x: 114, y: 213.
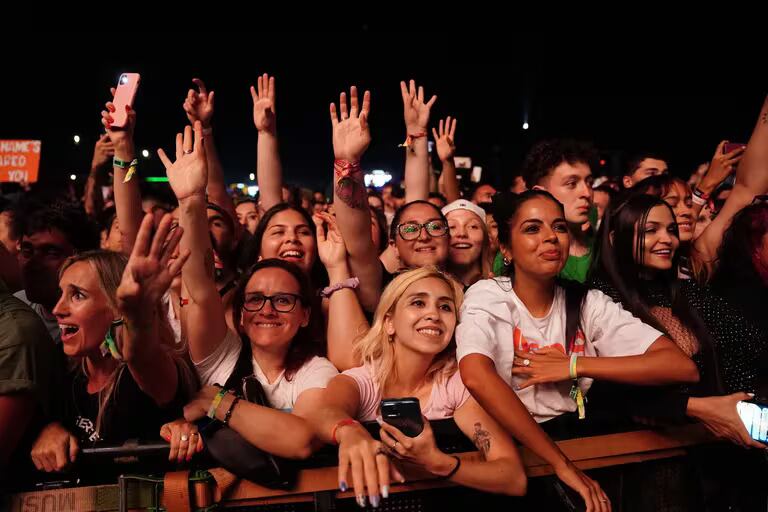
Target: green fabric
x: 577, y: 267
x: 27, y: 353
x: 498, y: 265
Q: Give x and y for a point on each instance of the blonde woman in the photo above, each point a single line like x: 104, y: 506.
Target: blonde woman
x: 410, y: 352
x: 130, y: 378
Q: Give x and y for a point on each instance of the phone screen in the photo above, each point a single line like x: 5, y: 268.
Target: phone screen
x: 755, y: 418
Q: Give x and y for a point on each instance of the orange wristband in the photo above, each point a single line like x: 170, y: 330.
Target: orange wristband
x: 342, y: 423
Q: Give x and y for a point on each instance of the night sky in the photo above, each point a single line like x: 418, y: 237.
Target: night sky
x: 680, y: 102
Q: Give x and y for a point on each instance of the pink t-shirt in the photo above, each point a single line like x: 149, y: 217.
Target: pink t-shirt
x: 446, y: 397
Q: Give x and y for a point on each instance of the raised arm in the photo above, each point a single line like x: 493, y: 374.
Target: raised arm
x: 351, y: 137
x: 269, y: 171
x: 203, y: 315
x: 446, y: 149
x: 127, y: 194
x: 199, y: 106
x: 416, y: 115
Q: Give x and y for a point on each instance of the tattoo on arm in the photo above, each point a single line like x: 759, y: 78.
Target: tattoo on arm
x: 482, y: 440
x: 351, y: 191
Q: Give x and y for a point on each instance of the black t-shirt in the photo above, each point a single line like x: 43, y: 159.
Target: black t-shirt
x: 130, y: 413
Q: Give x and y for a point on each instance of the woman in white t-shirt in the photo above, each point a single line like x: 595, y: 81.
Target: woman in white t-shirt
x: 410, y: 352
x: 271, y: 312
x: 548, y: 340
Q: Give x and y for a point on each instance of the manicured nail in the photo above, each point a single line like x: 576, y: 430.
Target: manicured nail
x: 751, y: 395
x: 343, y: 487
x: 385, y: 491
x: 361, y: 501
x: 375, y: 500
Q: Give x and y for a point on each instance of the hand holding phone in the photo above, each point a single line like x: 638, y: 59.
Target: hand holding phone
x: 729, y: 147
x: 754, y: 414
x: 404, y: 414
x: 125, y: 93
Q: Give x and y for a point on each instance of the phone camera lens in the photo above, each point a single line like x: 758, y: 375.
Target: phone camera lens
x: 123, y: 79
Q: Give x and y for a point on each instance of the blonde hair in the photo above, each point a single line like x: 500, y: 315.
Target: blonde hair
x: 375, y: 347
x: 109, y: 267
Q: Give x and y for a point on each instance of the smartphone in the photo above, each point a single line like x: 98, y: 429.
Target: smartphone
x: 125, y: 92
x: 731, y: 146
x: 403, y: 414
x: 754, y: 414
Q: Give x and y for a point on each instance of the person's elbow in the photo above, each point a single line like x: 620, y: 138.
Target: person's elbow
x: 518, y: 484
x: 302, y: 451
x: 690, y: 371
x: 682, y: 369
x: 303, y: 444
x: 475, y: 379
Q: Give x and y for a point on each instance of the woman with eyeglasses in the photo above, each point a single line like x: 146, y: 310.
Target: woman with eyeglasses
x: 271, y: 311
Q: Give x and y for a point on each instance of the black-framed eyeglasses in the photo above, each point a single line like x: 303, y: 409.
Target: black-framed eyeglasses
x: 412, y: 230
x: 281, y: 302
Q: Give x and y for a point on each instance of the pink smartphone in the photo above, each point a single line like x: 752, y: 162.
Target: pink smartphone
x: 731, y: 146
x: 124, y: 95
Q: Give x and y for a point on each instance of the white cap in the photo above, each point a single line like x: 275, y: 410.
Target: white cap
x: 463, y: 204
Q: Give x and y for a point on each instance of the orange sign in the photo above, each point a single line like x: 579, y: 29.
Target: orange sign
x: 19, y: 160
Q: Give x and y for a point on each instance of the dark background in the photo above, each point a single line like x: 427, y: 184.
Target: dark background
x: 678, y: 101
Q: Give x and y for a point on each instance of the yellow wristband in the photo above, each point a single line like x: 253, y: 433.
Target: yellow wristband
x: 216, y: 402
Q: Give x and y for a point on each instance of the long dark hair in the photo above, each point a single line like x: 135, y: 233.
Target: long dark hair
x: 619, y: 261
x: 505, y: 206
x: 251, y: 253
x: 306, y: 344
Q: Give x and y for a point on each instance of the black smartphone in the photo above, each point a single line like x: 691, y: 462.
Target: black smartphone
x: 403, y: 414
x: 754, y: 414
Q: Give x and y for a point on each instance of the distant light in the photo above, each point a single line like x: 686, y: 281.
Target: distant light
x: 378, y: 178
x: 525, y: 126
x: 77, y: 139
x: 145, y: 153
x: 156, y: 179
x: 252, y: 176
x: 253, y: 190
x: 72, y: 177
x: 240, y: 185
x: 602, y: 162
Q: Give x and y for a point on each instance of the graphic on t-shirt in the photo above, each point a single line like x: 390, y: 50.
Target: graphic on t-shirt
x: 521, y: 343
x: 87, y: 426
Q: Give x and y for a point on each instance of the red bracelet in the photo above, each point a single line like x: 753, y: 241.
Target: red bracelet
x: 410, y: 138
x: 345, y: 168
x: 342, y: 423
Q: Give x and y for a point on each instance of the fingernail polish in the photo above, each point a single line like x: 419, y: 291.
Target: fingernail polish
x: 385, y: 491
x: 375, y: 500
x: 361, y: 501
x: 343, y: 487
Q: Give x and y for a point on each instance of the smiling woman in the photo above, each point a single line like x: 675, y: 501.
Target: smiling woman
x: 410, y: 352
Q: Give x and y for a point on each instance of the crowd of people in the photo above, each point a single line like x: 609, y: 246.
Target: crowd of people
x: 126, y: 317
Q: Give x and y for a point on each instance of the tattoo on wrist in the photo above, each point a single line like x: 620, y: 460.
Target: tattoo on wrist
x: 482, y: 440
x: 350, y: 187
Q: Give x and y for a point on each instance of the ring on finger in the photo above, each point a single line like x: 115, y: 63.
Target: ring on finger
x: 184, y: 438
